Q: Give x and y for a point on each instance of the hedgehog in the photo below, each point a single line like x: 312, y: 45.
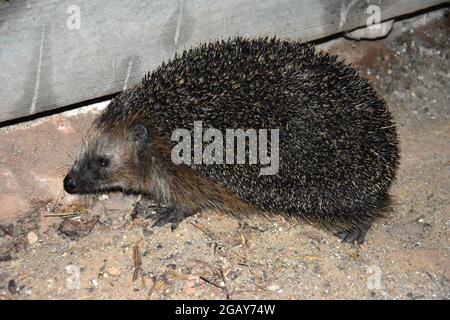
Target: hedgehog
x: 337, y: 143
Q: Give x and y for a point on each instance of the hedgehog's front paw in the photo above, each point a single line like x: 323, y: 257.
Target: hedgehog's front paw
x: 144, y: 209
x: 352, y: 236
x: 170, y: 215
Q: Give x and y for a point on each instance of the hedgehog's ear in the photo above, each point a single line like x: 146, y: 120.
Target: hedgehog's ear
x: 139, y: 136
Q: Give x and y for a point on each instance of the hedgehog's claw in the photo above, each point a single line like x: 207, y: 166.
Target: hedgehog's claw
x: 171, y: 215
x: 352, y: 236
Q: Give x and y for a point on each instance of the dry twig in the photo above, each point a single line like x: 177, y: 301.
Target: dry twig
x: 137, y: 263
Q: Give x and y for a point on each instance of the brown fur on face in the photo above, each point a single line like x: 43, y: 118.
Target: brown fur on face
x: 106, y: 161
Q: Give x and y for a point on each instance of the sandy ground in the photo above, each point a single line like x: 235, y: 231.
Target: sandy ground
x: 100, y: 250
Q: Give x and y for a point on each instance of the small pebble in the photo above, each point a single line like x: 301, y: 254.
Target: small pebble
x: 114, y: 271
x: 12, y: 286
x: 189, y: 288
x: 103, y: 197
x: 273, y: 288
x: 148, y: 282
x: 32, y: 237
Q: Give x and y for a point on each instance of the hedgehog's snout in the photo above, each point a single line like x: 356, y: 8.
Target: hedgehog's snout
x: 69, y: 184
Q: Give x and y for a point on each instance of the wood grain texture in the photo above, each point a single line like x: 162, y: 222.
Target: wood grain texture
x: 46, y: 65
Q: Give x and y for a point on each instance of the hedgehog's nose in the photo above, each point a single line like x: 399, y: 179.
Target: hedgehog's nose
x: 69, y: 184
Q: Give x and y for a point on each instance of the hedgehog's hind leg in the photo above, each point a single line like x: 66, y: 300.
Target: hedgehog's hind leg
x: 353, y: 224
x: 352, y: 235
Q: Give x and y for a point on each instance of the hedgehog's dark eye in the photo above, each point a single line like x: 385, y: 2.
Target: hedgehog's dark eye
x: 104, y: 162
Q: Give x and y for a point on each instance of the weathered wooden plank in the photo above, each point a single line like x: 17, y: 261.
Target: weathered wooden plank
x: 46, y: 63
